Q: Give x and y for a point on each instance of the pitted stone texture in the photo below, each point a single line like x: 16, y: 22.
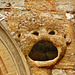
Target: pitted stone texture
x: 41, y: 5
x: 70, y: 72
x: 58, y: 72
x: 11, y: 3
x: 63, y: 72
x: 65, y: 5
x: 22, y: 27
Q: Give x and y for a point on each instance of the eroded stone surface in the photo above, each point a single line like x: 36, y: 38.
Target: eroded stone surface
x: 42, y: 17
x: 28, y: 23
x: 62, y: 72
x: 58, y: 72
x: 11, y: 3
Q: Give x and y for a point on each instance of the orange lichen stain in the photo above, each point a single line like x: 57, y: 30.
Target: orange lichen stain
x: 44, y: 5
x: 9, y: 9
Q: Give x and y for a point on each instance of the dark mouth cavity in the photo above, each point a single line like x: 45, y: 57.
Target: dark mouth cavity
x: 43, y: 51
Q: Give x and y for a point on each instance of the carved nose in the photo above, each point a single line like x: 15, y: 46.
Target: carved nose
x: 43, y: 32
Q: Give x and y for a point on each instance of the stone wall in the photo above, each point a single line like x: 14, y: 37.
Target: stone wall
x: 12, y: 14
x: 67, y: 6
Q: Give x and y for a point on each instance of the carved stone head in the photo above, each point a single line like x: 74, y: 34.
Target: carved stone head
x: 44, y: 35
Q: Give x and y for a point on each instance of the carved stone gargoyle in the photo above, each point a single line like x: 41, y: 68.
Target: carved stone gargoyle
x: 45, y: 36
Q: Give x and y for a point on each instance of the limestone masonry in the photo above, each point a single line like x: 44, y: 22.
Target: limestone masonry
x: 45, y: 32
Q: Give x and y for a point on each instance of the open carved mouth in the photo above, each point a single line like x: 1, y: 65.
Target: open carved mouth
x: 43, y: 51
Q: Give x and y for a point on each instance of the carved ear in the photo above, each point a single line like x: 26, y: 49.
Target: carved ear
x: 68, y: 39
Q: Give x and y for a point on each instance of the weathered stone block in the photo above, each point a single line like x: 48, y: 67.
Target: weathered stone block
x: 12, y: 3
x: 45, y: 35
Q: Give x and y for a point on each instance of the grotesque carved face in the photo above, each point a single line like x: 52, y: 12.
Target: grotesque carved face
x: 43, y: 38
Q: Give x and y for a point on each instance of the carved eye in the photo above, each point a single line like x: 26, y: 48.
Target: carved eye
x: 52, y: 32
x: 65, y: 36
x: 19, y: 35
x: 35, y: 33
